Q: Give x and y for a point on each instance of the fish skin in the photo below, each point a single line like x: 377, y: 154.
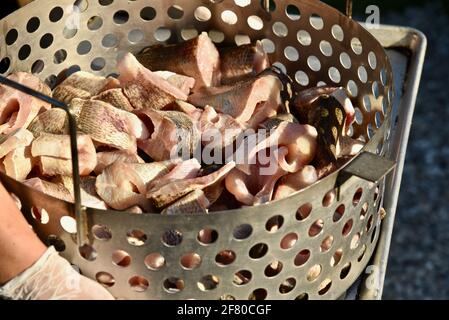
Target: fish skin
x: 151, y: 171
x: 52, y: 189
x: 121, y: 187
x: 173, y: 133
x: 170, y: 192
x: 16, y: 139
x: 89, y: 82
x: 53, y: 121
x: 106, y: 158
x: 53, y: 153
x: 19, y: 163
x: 18, y: 109
x: 242, y: 62
x: 194, y: 202
x: 240, y: 100
x: 187, y: 169
x: 197, y: 58
x: 115, y: 128
x: 66, y: 94
x: 89, y: 196
x: 143, y: 88
x: 184, y: 83
x: 116, y: 98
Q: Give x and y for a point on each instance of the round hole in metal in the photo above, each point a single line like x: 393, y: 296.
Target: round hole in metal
x: 101, y: 232
x: 280, y: 29
x: 258, y: 294
x: 242, y: 277
x: 329, y: 198
x: 88, y: 252
x: 316, y: 228
x: 302, y: 296
x: 303, y: 211
x: 304, y: 37
x: 339, y: 212
x: 293, y: 12
x: 202, y: 14
x: 98, y: 64
x: 11, y: 37
x: 24, y: 52
x: 121, y: 17
x: 345, y: 270
x: 136, y: 237
x: 258, y: 250
x: 68, y: 224
x: 273, y: 269
x: 138, y: 283
x: 175, y: 12
x: 274, y: 223
x: 302, y: 257
x: 302, y: 78
x: 95, y: 23
x: 33, y: 24
x: 190, y: 260
x: 40, y: 215
x: 109, y: 41
x: 355, y: 241
x: 364, y: 210
x: 84, y: 47
x: 227, y: 297
x: 173, y: 285
x: 207, y: 236
x: 171, y: 238
x: 56, y: 14
x: 327, y: 243
x: 324, y: 287
x: 287, y: 285
x: 105, y: 278
x: 242, y: 231
x: 357, y: 196
x: 314, y: 272
x: 289, y: 240
x: 229, y: 17
x: 5, y: 63
x: 225, y: 257
x: 154, y: 261
x: 208, y: 282
x: 255, y: 22
x: 347, y: 228
x: 59, y: 56
x: 336, y: 257
x: 121, y: 258
x: 148, y: 13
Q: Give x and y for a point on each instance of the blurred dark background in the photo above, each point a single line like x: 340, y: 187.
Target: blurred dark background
x: 419, y: 263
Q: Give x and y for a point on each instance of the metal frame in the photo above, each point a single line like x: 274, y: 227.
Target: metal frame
x: 407, y: 70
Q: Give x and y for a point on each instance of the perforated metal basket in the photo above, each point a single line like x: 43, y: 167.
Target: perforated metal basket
x: 281, y: 250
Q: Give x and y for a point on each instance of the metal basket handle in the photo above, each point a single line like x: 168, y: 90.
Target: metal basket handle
x: 79, y: 211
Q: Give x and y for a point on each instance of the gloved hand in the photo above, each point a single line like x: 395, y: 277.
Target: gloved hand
x: 53, y: 278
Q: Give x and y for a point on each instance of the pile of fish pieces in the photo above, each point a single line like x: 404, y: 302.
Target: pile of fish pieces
x: 169, y: 99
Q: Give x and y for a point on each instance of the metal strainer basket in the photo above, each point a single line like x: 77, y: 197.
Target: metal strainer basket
x: 292, y: 248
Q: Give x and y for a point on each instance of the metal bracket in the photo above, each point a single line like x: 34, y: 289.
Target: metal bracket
x: 369, y: 166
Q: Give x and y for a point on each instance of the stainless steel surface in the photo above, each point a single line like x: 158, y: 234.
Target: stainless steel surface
x: 296, y: 254
x: 407, y: 53
x: 369, y: 167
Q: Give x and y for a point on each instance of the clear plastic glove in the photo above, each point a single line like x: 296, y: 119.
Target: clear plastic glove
x: 53, y: 278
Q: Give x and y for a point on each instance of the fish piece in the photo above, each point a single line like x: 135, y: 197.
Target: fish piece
x: 54, y: 154
x: 349, y: 146
x: 173, y: 134
x: 299, y: 141
x: 67, y: 93
x: 19, y: 163
x: 226, y: 201
x: 240, y: 101
x: 181, y: 106
x: 305, y: 103
x: 118, y: 129
x: 171, y: 191
x: 55, y: 190
x: 143, y: 88
x: 151, y: 171
x: 294, y: 182
x: 194, y: 202
x: 107, y: 158
x: 88, y: 82
x: 257, y: 187
x: 89, y: 196
x: 187, y: 169
x: 15, y: 139
x: 53, y: 121
x: 197, y: 58
x: 18, y: 109
x: 121, y: 187
x: 184, y: 83
x: 218, y: 130
x: 242, y: 62
x: 116, y: 98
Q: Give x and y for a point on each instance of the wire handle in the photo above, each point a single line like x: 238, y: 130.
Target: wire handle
x: 80, y: 211
x: 349, y: 9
